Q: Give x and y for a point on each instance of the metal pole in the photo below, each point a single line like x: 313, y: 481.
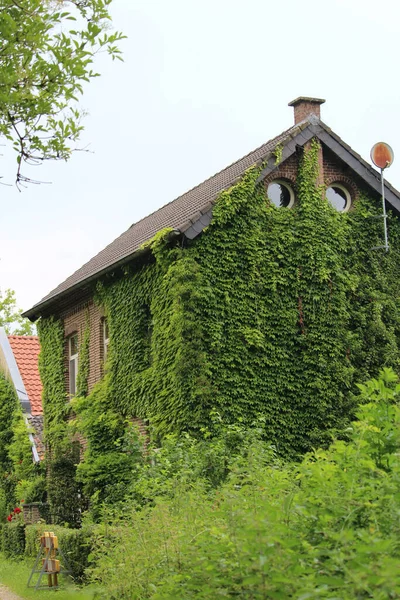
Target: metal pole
x: 384, y: 212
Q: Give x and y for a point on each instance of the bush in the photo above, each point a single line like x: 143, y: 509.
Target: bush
x: 13, y: 539
x: 327, y: 527
x: 75, y: 544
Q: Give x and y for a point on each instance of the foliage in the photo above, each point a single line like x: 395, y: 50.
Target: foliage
x: 113, y: 452
x: 10, y: 316
x: 13, y: 539
x: 270, y: 314
x: 8, y: 412
x: 325, y: 528
x: 75, y: 545
x: 83, y: 363
x: 18, y: 473
x: 47, y: 53
x: 63, y: 455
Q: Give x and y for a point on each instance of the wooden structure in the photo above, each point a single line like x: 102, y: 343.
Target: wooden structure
x: 50, y: 555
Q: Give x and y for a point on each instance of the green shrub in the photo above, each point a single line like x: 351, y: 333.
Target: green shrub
x: 13, y: 539
x: 327, y: 527
x: 75, y: 544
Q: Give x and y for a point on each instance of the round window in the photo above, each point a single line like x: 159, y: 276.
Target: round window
x: 339, y: 197
x: 281, y: 194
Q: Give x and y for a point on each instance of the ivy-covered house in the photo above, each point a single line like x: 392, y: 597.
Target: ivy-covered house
x: 258, y: 294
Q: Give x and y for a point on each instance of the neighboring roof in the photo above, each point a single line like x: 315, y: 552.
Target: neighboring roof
x: 37, y: 425
x: 26, y: 353
x: 19, y: 362
x: 191, y: 212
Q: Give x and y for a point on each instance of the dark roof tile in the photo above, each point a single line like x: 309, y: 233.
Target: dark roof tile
x: 178, y: 215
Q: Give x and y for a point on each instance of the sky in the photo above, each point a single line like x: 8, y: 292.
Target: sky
x: 201, y: 85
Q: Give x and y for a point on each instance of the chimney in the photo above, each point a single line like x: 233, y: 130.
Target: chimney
x: 305, y: 107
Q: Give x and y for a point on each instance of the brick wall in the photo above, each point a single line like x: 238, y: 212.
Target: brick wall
x: 287, y: 170
x: 332, y: 169
x: 75, y: 321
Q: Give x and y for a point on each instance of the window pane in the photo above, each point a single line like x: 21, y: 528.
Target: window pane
x: 73, y: 368
x: 279, y: 194
x: 73, y: 345
x: 106, y: 334
x: 337, y: 198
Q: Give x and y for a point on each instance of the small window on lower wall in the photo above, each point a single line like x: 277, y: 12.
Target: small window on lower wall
x: 73, y: 352
x: 339, y: 197
x: 281, y: 194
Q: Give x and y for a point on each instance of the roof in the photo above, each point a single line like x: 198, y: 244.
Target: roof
x: 192, y: 211
x: 37, y: 425
x: 26, y: 353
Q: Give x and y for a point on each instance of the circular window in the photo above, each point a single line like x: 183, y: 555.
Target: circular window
x: 339, y: 197
x: 281, y: 194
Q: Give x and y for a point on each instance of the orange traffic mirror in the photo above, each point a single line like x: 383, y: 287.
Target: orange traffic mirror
x: 382, y: 155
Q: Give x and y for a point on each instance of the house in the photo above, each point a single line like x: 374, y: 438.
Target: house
x: 262, y: 293
x: 19, y: 363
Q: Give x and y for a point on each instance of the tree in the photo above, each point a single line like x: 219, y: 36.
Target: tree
x: 10, y: 316
x: 47, y: 48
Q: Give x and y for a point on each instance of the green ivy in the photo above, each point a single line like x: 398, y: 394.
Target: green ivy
x: 83, y: 363
x: 8, y: 409
x: 270, y: 312
x: 52, y: 374
x: 62, y: 452
x: 20, y: 477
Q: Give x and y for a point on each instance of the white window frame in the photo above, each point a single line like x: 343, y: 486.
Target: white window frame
x: 340, y: 186
x: 106, y: 340
x: 289, y: 188
x: 72, y: 359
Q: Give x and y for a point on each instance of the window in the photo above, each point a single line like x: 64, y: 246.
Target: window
x: 339, y: 197
x: 281, y: 194
x: 106, y: 339
x: 73, y: 362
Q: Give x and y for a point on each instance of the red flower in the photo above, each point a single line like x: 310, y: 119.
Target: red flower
x: 9, y: 518
x: 17, y: 510
x: 22, y: 501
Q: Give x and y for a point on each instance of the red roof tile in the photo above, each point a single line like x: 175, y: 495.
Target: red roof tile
x: 26, y: 352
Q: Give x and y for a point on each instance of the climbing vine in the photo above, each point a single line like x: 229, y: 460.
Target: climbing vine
x: 62, y: 453
x: 269, y: 313
x: 83, y: 362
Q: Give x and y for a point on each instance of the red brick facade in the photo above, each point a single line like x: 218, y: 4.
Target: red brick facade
x: 331, y: 170
x: 75, y: 321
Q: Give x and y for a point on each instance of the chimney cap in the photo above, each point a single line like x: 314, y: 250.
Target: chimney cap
x: 301, y: 99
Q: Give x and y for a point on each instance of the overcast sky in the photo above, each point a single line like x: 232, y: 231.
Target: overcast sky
x: 203, y: 83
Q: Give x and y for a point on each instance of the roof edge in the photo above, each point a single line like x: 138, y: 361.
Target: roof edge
x: 14, y: 372
x: 34, y: 313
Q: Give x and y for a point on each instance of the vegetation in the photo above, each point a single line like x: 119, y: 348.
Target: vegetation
x: 20, y: 477
x: 10, y: 316
x: 269, y: 316
x: 327, y: 527
x: 47, y: 53
x: 223, y: 516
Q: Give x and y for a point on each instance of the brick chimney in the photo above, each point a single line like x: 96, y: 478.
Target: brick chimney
x: 304, y: 107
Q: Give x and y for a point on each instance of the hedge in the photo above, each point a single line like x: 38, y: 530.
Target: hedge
x: 75, y: 544
x: 17, y: 539
x: 12, y: 539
